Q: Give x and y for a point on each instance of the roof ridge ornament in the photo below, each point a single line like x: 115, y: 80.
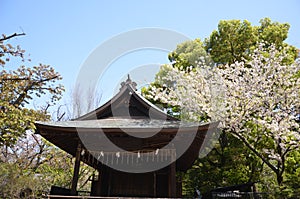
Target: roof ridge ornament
x: 129, y: 82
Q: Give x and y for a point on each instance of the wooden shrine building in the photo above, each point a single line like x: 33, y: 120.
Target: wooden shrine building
x: 136, y: 147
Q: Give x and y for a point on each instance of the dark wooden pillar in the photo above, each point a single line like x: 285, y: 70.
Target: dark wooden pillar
x: 109, y: 182
x: 172, y: 176
x: 76, y: 170
x: 154, y: 184
x: 96, y: 184
x: 172, y: 180
x: 99, y: 186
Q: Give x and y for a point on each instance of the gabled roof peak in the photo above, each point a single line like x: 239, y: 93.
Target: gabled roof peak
x: 127, y: 104
x: 128, y: 82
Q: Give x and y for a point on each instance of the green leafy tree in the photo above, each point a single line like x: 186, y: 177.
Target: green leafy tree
x: 235, y: 40
x: 292, y: 173
x: 188, y: 53
x: 231, y: 42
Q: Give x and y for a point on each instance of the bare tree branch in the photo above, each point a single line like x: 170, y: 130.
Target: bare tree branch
x: 11, y: 36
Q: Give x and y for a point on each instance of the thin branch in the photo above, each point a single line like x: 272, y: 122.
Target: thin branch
x: 29, y: 87
x: 11, y: 36
x: 256, y: 152
x: 287, y: 150
x: 15, y: 79
x: 59, y: 118
x: 11, y: 52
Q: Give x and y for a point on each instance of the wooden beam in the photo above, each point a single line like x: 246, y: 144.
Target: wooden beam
x: 76, y: 170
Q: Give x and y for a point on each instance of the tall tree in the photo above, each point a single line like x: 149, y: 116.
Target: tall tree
x: 22, y: 152
x: 82, y: 101
x: 17, y: 89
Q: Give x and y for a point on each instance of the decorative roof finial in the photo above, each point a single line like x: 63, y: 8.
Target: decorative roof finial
x: 129, y: 82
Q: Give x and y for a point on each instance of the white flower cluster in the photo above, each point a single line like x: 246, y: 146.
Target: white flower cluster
x: 199, y: 93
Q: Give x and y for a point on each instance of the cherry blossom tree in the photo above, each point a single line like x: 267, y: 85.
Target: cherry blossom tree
x: 263, y: 98
x: 260, y: 103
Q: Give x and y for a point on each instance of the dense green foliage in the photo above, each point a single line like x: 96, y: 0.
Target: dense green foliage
x: 188, y: 54
x: 235, y: 40
x: 229, y: 163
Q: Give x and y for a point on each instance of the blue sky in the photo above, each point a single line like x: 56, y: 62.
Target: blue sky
x: 64, y: 33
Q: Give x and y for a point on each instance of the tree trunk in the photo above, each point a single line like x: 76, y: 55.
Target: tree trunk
x: 279, y: 178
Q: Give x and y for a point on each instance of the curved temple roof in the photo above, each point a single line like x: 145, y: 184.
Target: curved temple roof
x: 123, y: 123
